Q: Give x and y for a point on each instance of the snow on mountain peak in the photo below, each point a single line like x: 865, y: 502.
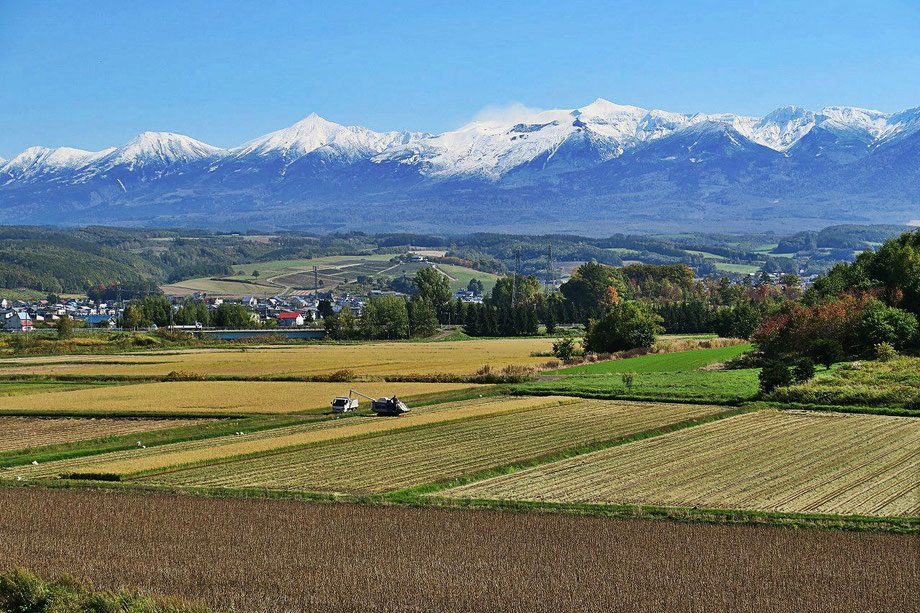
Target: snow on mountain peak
x: 313, y: 133
x: 160, y: 148
x: 37, y: 161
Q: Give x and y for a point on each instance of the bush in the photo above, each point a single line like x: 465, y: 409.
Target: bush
x: 175, y: 336
x: 885, y: 324
x: 804, y: 370
x: 774, y: 374
x: 827, y: 351
x: 23, y: 592
x: 564, y: 349
x: 885, y: 352
x: 624, y: 326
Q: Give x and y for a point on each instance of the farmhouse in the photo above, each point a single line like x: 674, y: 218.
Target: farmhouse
x: 19, y: 322
x: 290, y: 318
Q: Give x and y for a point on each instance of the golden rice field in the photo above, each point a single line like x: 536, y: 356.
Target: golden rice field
x: 408, y: 458
x: 268, y: 441
x: 451, y: 357
x: 28, y: 432
x: 213, y: 397
x: 796, y: 462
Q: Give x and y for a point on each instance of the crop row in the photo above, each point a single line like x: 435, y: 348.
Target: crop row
x: 408, y: 458
x: 775, y: 461
x: 266, y: 441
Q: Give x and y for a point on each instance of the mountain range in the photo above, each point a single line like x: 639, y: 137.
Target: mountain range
x: 598, y: 169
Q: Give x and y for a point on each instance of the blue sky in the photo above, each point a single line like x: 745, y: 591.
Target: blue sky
x: 94, y: 74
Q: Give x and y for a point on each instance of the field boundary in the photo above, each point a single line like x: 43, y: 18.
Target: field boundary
x: 900, y: 525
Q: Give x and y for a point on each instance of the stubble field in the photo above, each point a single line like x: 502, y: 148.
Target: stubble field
x: 407, y: 458
x: 271, y: 441
x: 775, y: 461
x: 27, y: 432
x: 277, y: 555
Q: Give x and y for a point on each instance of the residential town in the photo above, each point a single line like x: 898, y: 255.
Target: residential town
x: 283, y: 311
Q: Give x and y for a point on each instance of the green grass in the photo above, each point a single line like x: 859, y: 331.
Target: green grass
x: 738, y: 268
x: 880, y: 384
x: 713, y: 386
x: 693, y: 359
x: 463, y: 276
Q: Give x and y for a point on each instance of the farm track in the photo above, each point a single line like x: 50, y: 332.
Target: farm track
x: 405, y: 459
x: 787, y: 462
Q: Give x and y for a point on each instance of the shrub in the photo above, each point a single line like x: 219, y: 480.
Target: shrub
x: 827, y: 351
x: 774, y: 374
x: 884, y: 324
x: 564, y: 349
x: 628, y: 380
x: 23, y: 592
x: 885, y: 352
x: 175, y: 336
x: 804, y: 370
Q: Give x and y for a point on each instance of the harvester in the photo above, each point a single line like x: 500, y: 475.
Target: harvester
x: 380, y: 406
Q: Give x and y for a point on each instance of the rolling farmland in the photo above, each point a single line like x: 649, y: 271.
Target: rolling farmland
x: 27, y: 432
x: 211, y: 397
x: 272, y: 440
x: 407, y: 458
x: 451, y: 357
x: 776, y: 461
x: 284, y: 555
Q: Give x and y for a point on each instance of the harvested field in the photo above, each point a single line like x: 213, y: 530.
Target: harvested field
x: 267, y: 441
x: 415, y: 457
x: 27, y: 432
x: 451, y: 357
x: 212, y: 397
x: 239, y: 554
x: 776, y: 461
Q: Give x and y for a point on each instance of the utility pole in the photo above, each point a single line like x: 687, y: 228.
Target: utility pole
x: 550, y: 272
x: 315, y: 283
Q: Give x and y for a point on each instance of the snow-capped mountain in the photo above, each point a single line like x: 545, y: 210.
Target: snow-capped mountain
x: 790, y: 162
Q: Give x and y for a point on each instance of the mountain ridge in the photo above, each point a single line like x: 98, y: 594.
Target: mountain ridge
x: 790, y: 164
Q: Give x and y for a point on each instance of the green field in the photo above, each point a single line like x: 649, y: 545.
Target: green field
x: 728, y: 386
x: 291, y: 276
x: 693, y: 359
x: 743, y: 269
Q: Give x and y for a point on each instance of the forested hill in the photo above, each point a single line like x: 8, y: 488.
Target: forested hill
x: 56, y: 260
x: 50, y: 259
